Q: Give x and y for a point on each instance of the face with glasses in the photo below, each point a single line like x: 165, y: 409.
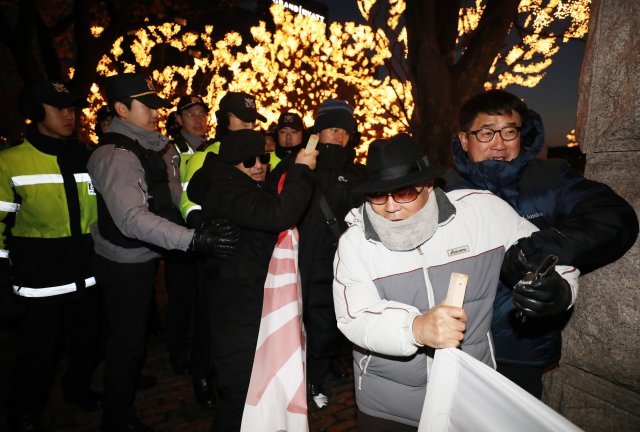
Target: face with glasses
x: 255, y: 167
x: 400, y: 204
x: 492, y: 137
x: 193, y: 120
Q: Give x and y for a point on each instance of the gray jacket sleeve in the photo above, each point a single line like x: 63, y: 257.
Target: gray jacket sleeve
x: 119, y: 177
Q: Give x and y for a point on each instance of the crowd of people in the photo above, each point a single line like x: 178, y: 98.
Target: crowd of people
x: 83, y: 230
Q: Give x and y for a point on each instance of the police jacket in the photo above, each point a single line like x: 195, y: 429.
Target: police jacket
x: 47, y: 205
x: 224, y: 191
x: 192, y: 165
x: 582, y: 221
x: 123, y: 183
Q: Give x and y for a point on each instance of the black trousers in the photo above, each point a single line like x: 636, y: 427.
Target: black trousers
x: 323, y: 337
x: 184, y: 288
x: 527, y: 377
x: 47, y: 321
x: 367, y: 423
x: 127, y: 292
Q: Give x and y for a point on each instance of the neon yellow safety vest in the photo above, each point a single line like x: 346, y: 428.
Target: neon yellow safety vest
x: 49, y: 242
x: 193, y: 164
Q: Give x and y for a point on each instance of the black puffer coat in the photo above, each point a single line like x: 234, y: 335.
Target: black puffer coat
x: 582, y: 221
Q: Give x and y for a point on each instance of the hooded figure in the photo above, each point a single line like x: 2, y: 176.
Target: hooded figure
x: 582, y: 222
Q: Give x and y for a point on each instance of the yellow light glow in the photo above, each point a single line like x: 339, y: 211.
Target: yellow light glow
x: 302, y: 62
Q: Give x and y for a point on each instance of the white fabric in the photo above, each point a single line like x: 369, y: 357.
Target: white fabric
x: 466, y: 395
x: 276, y: 399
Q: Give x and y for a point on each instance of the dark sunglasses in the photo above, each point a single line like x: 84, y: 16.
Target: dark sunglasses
x: 403, y: 195
x: 250, y: 162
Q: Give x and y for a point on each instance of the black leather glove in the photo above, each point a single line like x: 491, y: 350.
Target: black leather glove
x: 514, y: 266
x: 548, y: 295
x: 217, y: 238
x: 194, y: 219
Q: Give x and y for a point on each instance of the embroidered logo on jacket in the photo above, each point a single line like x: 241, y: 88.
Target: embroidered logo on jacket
x: 458, y: 250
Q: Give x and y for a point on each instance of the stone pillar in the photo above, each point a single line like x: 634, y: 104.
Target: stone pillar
x: 597, y: 385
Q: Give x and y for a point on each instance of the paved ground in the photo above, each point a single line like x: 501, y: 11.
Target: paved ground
x: 170, y: 404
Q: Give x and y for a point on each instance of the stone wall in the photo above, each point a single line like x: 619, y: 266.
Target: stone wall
x: 597, y: 385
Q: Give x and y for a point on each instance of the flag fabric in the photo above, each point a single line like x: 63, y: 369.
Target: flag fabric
x: 464, y: 394
x: 277, y: 396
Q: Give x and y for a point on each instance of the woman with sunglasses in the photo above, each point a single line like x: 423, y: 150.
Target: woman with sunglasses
x: 231, y: 186
x: 392, y: 273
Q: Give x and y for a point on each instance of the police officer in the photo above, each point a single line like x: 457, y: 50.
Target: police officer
x: 237, y: 111
x: 47, y: 204
x: 137, y: 217
x: 181, y: 269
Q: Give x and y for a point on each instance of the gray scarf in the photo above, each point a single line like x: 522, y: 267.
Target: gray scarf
x: 408, y: 234
x: 193, y: 140
x: 150, y: 140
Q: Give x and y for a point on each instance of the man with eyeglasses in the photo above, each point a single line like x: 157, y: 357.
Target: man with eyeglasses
x: 392, y: 272
x: 230, y: 185
x: 237, y: 111
x: 181, y: 268
x: 583, y: 222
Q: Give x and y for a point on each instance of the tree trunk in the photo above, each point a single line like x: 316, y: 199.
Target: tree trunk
x: 440, y: 83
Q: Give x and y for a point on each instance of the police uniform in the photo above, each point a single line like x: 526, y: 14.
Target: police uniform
x: 47, y: 204
x: 137, y: 219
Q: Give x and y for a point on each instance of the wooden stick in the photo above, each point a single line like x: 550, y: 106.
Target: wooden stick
x: 457, y: 288
x: 312, y: 143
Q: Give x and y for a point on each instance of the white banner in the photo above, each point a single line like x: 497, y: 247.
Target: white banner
x: 464, y: 394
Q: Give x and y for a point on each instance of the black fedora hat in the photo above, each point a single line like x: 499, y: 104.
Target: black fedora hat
x: 395, y: 162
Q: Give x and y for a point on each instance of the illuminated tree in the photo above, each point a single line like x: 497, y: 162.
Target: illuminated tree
x: 296, y: 65
x: 408, y: 68
x: 453, y: 49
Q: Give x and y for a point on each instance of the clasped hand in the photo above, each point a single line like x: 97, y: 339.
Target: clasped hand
x: 440, y: 327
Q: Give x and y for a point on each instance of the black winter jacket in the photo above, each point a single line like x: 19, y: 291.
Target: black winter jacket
x: 226, y: 192
x: 336, y: 176
x: 582, y: 221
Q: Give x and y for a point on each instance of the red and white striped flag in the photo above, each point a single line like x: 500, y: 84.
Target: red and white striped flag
x: 277, y: 396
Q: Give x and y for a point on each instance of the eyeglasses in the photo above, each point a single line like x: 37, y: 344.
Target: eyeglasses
x: 193, y: 115
x: 250, y: 162
x: 508, y: 133
x: 403, y: 195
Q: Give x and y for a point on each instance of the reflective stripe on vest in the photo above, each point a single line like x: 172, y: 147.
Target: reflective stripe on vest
x: 4, y: 253
x: 51, y: 291
x: 9, y: 207
x: 27, y: 180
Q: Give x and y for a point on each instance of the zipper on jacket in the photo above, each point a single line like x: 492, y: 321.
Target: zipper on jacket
x: 430, y: 298
x: 363, y: 369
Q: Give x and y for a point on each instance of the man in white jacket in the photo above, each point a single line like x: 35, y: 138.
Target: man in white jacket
x: 392, y: 271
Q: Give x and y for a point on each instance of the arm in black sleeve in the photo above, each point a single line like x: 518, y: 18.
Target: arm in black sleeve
x: 257, y: 209
x: 594, y: 227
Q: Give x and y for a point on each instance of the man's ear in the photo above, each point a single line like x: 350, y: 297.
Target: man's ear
x: 121, y: 110
x: 179, y: 120
x: 462, y: 136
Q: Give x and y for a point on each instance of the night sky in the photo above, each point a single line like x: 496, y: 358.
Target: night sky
x: 555, y: 98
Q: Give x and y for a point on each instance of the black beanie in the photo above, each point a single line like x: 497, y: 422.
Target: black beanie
x: 335, y: 113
